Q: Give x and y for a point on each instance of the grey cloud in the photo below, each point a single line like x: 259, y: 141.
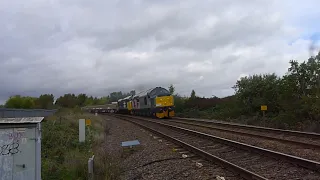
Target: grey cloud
x: 100, y: 46
x: 249, y: 31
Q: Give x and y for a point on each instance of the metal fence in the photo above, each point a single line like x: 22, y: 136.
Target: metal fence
x: 12, y: 113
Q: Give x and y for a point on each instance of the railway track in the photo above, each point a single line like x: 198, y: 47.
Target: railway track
x: 285, y: 134
x: 248, y: 161
x: 297, y: 144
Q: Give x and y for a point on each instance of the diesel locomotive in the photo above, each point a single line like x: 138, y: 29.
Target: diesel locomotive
x: 155, y: 102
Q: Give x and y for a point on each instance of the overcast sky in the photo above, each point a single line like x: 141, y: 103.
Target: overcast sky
x: 100, y: 46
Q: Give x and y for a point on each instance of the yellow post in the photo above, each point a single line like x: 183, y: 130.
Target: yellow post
x: 263, y: 109
x: 88, y: 122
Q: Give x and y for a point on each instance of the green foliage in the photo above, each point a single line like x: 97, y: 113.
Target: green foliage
x: 64, y: 158
x: 257, y: 90
x: 20, y: 102
x: 46, y: 101
x: 114, y: 96
x: 171, y: 89
x: 179, y: 103
x: 292, y: 99
x: 193, y: 94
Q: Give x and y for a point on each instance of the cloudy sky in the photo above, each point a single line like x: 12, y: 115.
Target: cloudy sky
x: 99, y: 46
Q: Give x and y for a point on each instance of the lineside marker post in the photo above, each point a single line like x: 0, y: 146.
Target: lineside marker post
x: 82, y: 130
x: 263, y: 109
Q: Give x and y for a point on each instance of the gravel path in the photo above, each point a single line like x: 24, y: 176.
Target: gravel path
x: 155, y: 158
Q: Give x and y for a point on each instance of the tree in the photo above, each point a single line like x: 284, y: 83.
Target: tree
x: 82, y: 99
x: 20, y: 102
x: 171, y: 89
x: 257, y: 90
x: 45, y: 101
x: 193, y: 94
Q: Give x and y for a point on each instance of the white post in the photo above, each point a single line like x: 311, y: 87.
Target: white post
x: 82, y: 130
x: 91, y: 168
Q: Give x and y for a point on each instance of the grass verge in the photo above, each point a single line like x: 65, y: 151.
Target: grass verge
x: 63, y: 157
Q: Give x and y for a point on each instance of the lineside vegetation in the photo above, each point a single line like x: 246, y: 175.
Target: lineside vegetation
x: 293, y: 100
x: 63, y: 157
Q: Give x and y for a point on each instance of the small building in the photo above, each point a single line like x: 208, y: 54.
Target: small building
x: 20, y: 142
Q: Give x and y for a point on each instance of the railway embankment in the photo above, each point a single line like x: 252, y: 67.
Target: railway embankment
x: 63, y: 157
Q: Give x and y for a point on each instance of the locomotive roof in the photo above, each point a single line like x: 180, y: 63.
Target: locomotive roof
x: 145, y: 93
x: 126, y: 98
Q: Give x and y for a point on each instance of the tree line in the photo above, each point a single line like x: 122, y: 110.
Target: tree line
x: 292, y: 100
x: 47, y: 101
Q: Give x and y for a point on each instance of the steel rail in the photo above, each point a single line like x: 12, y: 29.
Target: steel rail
x: 248, y: 133
x: 306, y: 163
x: 266, y: 129
x: 235, y: 168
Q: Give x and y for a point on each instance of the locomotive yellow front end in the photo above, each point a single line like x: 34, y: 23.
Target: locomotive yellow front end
x: 164, y: 106
x: 129, y: 106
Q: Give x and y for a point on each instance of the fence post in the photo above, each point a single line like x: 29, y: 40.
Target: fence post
x: 91, y: 168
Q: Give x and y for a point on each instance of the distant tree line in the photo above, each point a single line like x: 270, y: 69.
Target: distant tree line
x: 46, y: 101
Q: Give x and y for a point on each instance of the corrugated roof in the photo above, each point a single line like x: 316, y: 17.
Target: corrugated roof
x: 21, y: 120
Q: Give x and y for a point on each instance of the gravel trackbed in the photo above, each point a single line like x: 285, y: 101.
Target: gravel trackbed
x: 155, y: 158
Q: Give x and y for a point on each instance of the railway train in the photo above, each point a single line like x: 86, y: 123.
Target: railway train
x: 155, y: 102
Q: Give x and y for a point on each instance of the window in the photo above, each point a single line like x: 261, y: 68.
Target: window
x: 145, y: 101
